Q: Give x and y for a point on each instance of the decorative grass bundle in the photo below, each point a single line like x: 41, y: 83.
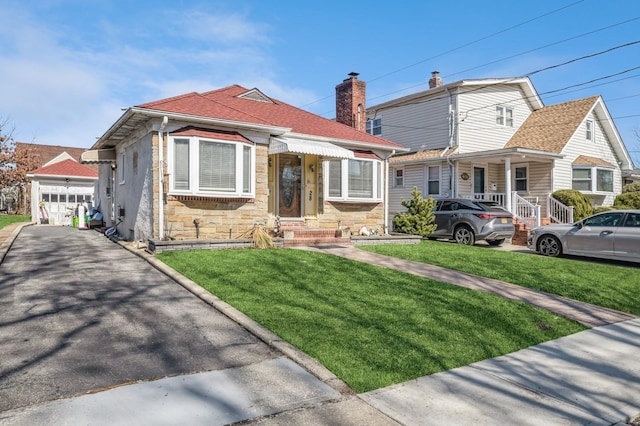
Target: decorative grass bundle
x: 261, y: 238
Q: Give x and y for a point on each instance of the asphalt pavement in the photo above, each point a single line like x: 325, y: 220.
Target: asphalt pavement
x: 93, y: 333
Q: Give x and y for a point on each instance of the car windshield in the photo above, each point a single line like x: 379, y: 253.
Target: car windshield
x: 492, y: 206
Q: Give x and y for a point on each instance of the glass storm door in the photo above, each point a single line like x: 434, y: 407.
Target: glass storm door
x: 289, y: 186
x: 478, y: 180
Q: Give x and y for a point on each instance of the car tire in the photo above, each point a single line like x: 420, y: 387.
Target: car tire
x: 548, y: 245
x: 464, y: 235
x: 495, y: 242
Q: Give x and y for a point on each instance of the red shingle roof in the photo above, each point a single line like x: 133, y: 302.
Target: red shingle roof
x: 229, y: 104
x: 46, y: 153
x: 67, y: 168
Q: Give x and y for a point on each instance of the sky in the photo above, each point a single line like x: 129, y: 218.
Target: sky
x: 69, y: 67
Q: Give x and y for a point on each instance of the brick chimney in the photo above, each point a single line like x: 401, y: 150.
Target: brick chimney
x: 435, y: 80
x: 350, y: 102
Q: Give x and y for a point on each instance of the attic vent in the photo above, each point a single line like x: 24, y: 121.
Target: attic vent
x: 255, y: 95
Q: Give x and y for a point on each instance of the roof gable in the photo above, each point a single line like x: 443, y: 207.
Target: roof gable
x: 65, y: 168
x: 549, y: 129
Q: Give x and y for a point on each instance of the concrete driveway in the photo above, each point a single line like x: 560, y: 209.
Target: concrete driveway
x: 80, y: 315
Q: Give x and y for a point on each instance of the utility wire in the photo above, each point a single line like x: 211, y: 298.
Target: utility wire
x: 460, y: 47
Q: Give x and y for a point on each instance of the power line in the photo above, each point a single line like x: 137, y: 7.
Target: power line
x: 459, y: 47
x: 546, y: 45
x: 478, y: 40
x: 592, y: 55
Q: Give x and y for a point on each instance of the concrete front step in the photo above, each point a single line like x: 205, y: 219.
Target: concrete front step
x: 313, y: 237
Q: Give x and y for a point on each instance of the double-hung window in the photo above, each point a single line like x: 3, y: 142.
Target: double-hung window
x: 433, y: 180
x: 587, y: 178
x: 504, y: 116
x: 398, y: 178
x: 210, y: 167
x: 589, y: 130
x: 357, y: 180
x: 374, y: 127
x: 521, y: 178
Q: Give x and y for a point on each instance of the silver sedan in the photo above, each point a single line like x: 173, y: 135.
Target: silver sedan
x: 610, y: 235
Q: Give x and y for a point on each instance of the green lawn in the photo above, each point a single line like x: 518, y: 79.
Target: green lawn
x: 608, y: 284
x: 8, y: 219
x: 371, y: 326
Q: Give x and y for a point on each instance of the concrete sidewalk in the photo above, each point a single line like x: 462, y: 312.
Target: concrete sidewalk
x: 589, y: 378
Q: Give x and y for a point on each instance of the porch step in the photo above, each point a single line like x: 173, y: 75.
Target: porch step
x: 313, y: 237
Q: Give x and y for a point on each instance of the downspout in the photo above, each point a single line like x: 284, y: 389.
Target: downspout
x: 452, y: 167
x: 386, y: 191
x: 165, y: 120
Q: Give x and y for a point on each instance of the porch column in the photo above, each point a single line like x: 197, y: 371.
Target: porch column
x: 507, y: 186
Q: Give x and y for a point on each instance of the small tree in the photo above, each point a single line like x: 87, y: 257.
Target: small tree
x: 14, y: 166
x: 419, y: 217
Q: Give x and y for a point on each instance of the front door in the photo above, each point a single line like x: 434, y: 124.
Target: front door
x: 478, y: 181
x: 289, y: 186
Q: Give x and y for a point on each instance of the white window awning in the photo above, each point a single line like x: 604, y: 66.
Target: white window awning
x: 299, y: 146
x: 98, y: 156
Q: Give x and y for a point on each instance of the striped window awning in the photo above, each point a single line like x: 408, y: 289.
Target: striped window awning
x: 98, y: 156
x: 283, y: 145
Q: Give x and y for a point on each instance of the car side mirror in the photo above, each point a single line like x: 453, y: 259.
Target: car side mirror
x: 579, y: 225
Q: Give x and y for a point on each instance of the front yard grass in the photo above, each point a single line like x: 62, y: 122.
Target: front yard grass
x: 8, y: 219
x: 601, y: 283
x: 370, y: 326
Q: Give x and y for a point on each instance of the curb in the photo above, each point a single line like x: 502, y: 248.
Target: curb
x: 8, y: 242
x: 268, y: 337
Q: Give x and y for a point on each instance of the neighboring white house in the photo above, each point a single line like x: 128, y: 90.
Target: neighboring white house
x: 494, y: 139
x: 58, y: 187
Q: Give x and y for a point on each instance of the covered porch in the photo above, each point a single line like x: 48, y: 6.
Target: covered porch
x: 519, y: 180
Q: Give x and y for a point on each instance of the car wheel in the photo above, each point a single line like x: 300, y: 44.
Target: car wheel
x: 548, y: 245
x: 495, y: 242
x: 464, y: 235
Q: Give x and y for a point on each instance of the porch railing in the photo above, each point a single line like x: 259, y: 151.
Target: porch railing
x: 525, y: 211
x: 559, y: 212
x: 497, y: 197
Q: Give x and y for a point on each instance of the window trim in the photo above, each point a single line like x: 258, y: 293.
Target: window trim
x: 589, y: 135
x: 395, y: 177
x: 121, y: 173
x: 515, y: 179
x: 428, y: 181
x: 373, y: 126
x: 376, y: 183
x: 194, y: 168
x: 593, y: 179
x: 502, y: 119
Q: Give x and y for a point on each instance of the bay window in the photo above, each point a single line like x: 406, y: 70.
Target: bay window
x: 588, y: 178
x: 210, y: 167
x: 354, y: 180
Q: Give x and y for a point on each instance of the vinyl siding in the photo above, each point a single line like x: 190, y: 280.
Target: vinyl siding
x: 477, y: 130
x: 421, y: 124
x: 415, y: 176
